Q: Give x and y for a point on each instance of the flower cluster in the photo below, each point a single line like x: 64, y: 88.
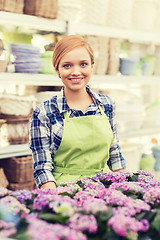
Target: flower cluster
x: 6, y: 229
x: 152, y: 196
x: 125, y: 225
x: 22, y: 195
x: 39, y: 229
x: 112, y: 176
x: 108, y: 206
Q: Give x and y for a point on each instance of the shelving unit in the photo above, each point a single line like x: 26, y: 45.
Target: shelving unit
x: 23, y: 149
x: 30, y: 79
x: 33, y: 24
x: 14, y: 151
x: 53, y: 79
x: 131, y: 35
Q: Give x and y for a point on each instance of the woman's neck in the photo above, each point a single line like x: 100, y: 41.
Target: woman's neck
x: 79, y: 100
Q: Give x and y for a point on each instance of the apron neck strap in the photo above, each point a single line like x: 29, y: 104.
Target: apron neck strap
x: 101, y: 110
x: 66, y: 114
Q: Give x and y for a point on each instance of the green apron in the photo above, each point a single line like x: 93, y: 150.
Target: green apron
x: 84, y: 149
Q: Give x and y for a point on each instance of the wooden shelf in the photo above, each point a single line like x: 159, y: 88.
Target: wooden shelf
x: 53, y: 79
x: 14, y: 151
x: 143, y: 132
x: 32, y: 22
x: 118, y: 33
x: 24, y: 150
x: 30, y: 79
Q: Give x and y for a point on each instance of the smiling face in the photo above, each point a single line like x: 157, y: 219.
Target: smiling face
x: 75, y: 69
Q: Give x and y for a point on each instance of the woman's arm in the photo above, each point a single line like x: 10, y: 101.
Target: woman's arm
x: 116, y: 161
x: 40, y: 146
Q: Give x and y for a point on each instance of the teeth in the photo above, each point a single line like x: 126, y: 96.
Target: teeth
x: 76, y: 80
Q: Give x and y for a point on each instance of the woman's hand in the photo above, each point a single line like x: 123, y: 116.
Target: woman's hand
x: 48, y: 185
x: 120, y: 170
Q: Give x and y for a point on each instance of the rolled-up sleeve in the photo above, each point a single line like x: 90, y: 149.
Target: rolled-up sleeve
x: 116, y: 160
x: 39, y: 143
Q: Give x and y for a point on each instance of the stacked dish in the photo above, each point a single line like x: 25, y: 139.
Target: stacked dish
x: 27, y: 58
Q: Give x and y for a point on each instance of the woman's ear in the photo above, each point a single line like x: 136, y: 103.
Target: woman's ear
x: 58, y: 73
x: 92, y: 67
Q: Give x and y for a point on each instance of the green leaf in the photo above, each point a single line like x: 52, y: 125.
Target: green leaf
x: 51, y: 217
x: 21, y: 233
x: 134, y: 177
x: 66, y: 194
x: 156, y: 222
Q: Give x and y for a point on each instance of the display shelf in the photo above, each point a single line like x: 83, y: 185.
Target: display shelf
x: 53, y: 79
x: 56, y: 25
x: 140, y: 133
x: 119, y: 33
x: 30, y: 79
x: 123, y: 79
x: 24, y: 150
x: 32, y: 22
x: 14, y: 151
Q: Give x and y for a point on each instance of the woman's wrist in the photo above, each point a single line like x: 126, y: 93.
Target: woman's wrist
x: 48, y: 185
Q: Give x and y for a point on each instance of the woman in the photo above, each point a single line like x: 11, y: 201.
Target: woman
x: 73, y: 135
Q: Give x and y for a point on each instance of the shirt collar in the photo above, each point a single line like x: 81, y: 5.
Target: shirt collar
x: 95, y: 96
x: 63, y: 106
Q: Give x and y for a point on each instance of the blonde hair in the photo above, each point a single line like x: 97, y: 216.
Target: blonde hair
x: 68, y: 43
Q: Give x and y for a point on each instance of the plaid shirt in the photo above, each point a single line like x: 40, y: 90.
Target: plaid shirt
x: 46, y: 131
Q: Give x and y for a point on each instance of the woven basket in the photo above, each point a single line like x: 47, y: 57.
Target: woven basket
x: 21, y: 186
x: 16, y: 105
x: 45, y: 95
x: 119, y: 13
x: 94, y: 12
x: 113, y: 58
x: 3, y: 133
x: 17, y: 129
x: 157, y: 21
x: 15, y: 6
x: 3, y: 179
x: 19, y: 169
x: 47, y: 8
x: 3, y: 65
x: 102, y: 60
x: 69, y: 10
x: 150, y: 9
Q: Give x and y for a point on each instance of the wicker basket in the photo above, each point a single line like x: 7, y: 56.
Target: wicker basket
x: 21, y: 186
x: 120, y: 13
x: 3, y: 65
x: 69, y: 10
x: 17, y: 129
x: 3, y: 133
x: 94, y: 12
x: 15, y: 6
x: 19, y: 169
x: 114, y: 61
x: 147, y: 22
x: 47, y: 8
x: 45, y: 95
x: 3, y: 179
x: 16, y: 105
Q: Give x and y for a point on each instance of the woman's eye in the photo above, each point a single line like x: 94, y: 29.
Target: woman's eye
x: 83, y: 64
x: 66, y: 65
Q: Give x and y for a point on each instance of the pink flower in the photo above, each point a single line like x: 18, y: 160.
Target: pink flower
x: 83, y: 222
x: 125, y: 225
x: 152, y: 196
x: 39, y: 229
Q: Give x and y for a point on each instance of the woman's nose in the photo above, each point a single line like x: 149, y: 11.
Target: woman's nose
x: 76, y: 70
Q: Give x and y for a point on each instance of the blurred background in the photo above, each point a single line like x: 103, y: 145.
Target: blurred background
x: 125, y: 37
